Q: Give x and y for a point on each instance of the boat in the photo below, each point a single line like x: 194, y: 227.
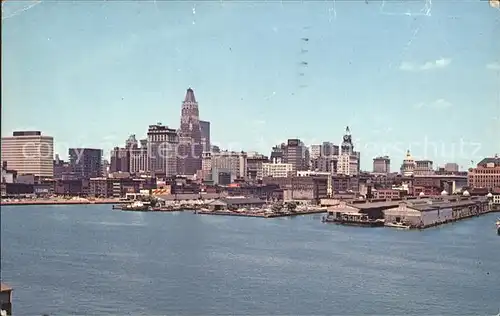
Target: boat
x: 398, y: 225
x: 352, y: 218
x: 498, y: 226
x: 137, y: 206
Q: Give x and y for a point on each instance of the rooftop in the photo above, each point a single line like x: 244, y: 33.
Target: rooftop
x: 238, y: 201
x: 495, y: 160
x: 432, y: 204
x: 5, y: 287
x: 190, y: 96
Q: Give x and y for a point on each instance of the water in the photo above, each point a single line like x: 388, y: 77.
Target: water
x: 94, y: 261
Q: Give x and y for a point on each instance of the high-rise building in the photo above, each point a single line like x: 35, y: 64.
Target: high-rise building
x: 131, y: 142
x: 120, y: 160
x: 86, y: 162
x: 205, y: 135
x: 297, y: 154
x: 120, y: 157
x: 28, y: 152
x: 349, y: 160
x: 255, y: 166
x: 382, y: 165
x: 162, y: 148
x: 190, y: 145
x: 139, y: 158
x: 277, y: 153
x: 315, y: 151
x: 233, y: 162
x: 328, y: 149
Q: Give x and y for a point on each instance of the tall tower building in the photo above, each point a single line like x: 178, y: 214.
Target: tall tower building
x: 348, y: 161
x: 190, y: 144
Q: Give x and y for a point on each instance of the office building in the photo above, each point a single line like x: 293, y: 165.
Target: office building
x: 139, y: 158
x: 205, y: 135
x: 29, y: 152
x: 486, y: 174
x: 278, y: 170
x: 162, y: 151
x: 190, y: 144
x: 382, y: 165
x: 85, y: 163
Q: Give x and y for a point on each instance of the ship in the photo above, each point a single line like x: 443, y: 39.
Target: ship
x: 353, y: 219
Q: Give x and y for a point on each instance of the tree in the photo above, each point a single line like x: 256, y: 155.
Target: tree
x: 277, y: 207
x: 292, y: 206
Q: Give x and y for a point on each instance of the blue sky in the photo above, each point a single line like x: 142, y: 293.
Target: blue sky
x: 401, y: 74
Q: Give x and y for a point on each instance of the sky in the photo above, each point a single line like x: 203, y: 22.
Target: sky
x: 419, y: 75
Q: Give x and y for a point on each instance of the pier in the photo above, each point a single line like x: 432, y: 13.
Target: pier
x: 261, y: 214
x: 57, y: 201
x: 417, y: 213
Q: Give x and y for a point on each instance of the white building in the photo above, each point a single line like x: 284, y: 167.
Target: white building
x: 138, y: 160
x: 206, y: 165
x: 315, y: 151
x: 28, y: 152
x: 347, y: 165
x: 408, y: 166
x: 278, y: 170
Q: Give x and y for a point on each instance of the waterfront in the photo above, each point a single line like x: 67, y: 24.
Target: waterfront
x: 56, y: 201
x: 90, y: 260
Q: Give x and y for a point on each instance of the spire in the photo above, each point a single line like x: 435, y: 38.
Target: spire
x: 347, y: 130
x: 190, y: 96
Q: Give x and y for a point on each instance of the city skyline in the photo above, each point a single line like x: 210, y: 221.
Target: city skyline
x: 423, y: 85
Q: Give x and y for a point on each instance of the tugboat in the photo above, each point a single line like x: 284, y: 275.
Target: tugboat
x: 138, y: 206
x: 352, y: 218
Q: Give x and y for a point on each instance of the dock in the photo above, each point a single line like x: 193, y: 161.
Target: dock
x: 5, y: 299
x: 57, y: 202
x: 261, y: 214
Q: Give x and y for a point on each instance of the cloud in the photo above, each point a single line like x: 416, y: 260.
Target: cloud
x: 439, y: 63
x: 437, y: 104
x: 493, y: 66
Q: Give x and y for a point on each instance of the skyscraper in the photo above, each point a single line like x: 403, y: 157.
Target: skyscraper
x: 29, y: 152
x: 190, y: 145
x: 382, y: 165
x: 162, y: 150
x: 205, y: 135
x: 86, y: 162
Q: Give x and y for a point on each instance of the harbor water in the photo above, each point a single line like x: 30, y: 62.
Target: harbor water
x: 90, y: 260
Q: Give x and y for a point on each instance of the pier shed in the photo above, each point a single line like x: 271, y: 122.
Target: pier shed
x: 6, y: 298
x: 431, y: 212
x: 235, y: 203
x: 374, y: 209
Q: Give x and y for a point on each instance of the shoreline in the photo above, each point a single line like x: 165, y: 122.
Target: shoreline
x: 58, y: 202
